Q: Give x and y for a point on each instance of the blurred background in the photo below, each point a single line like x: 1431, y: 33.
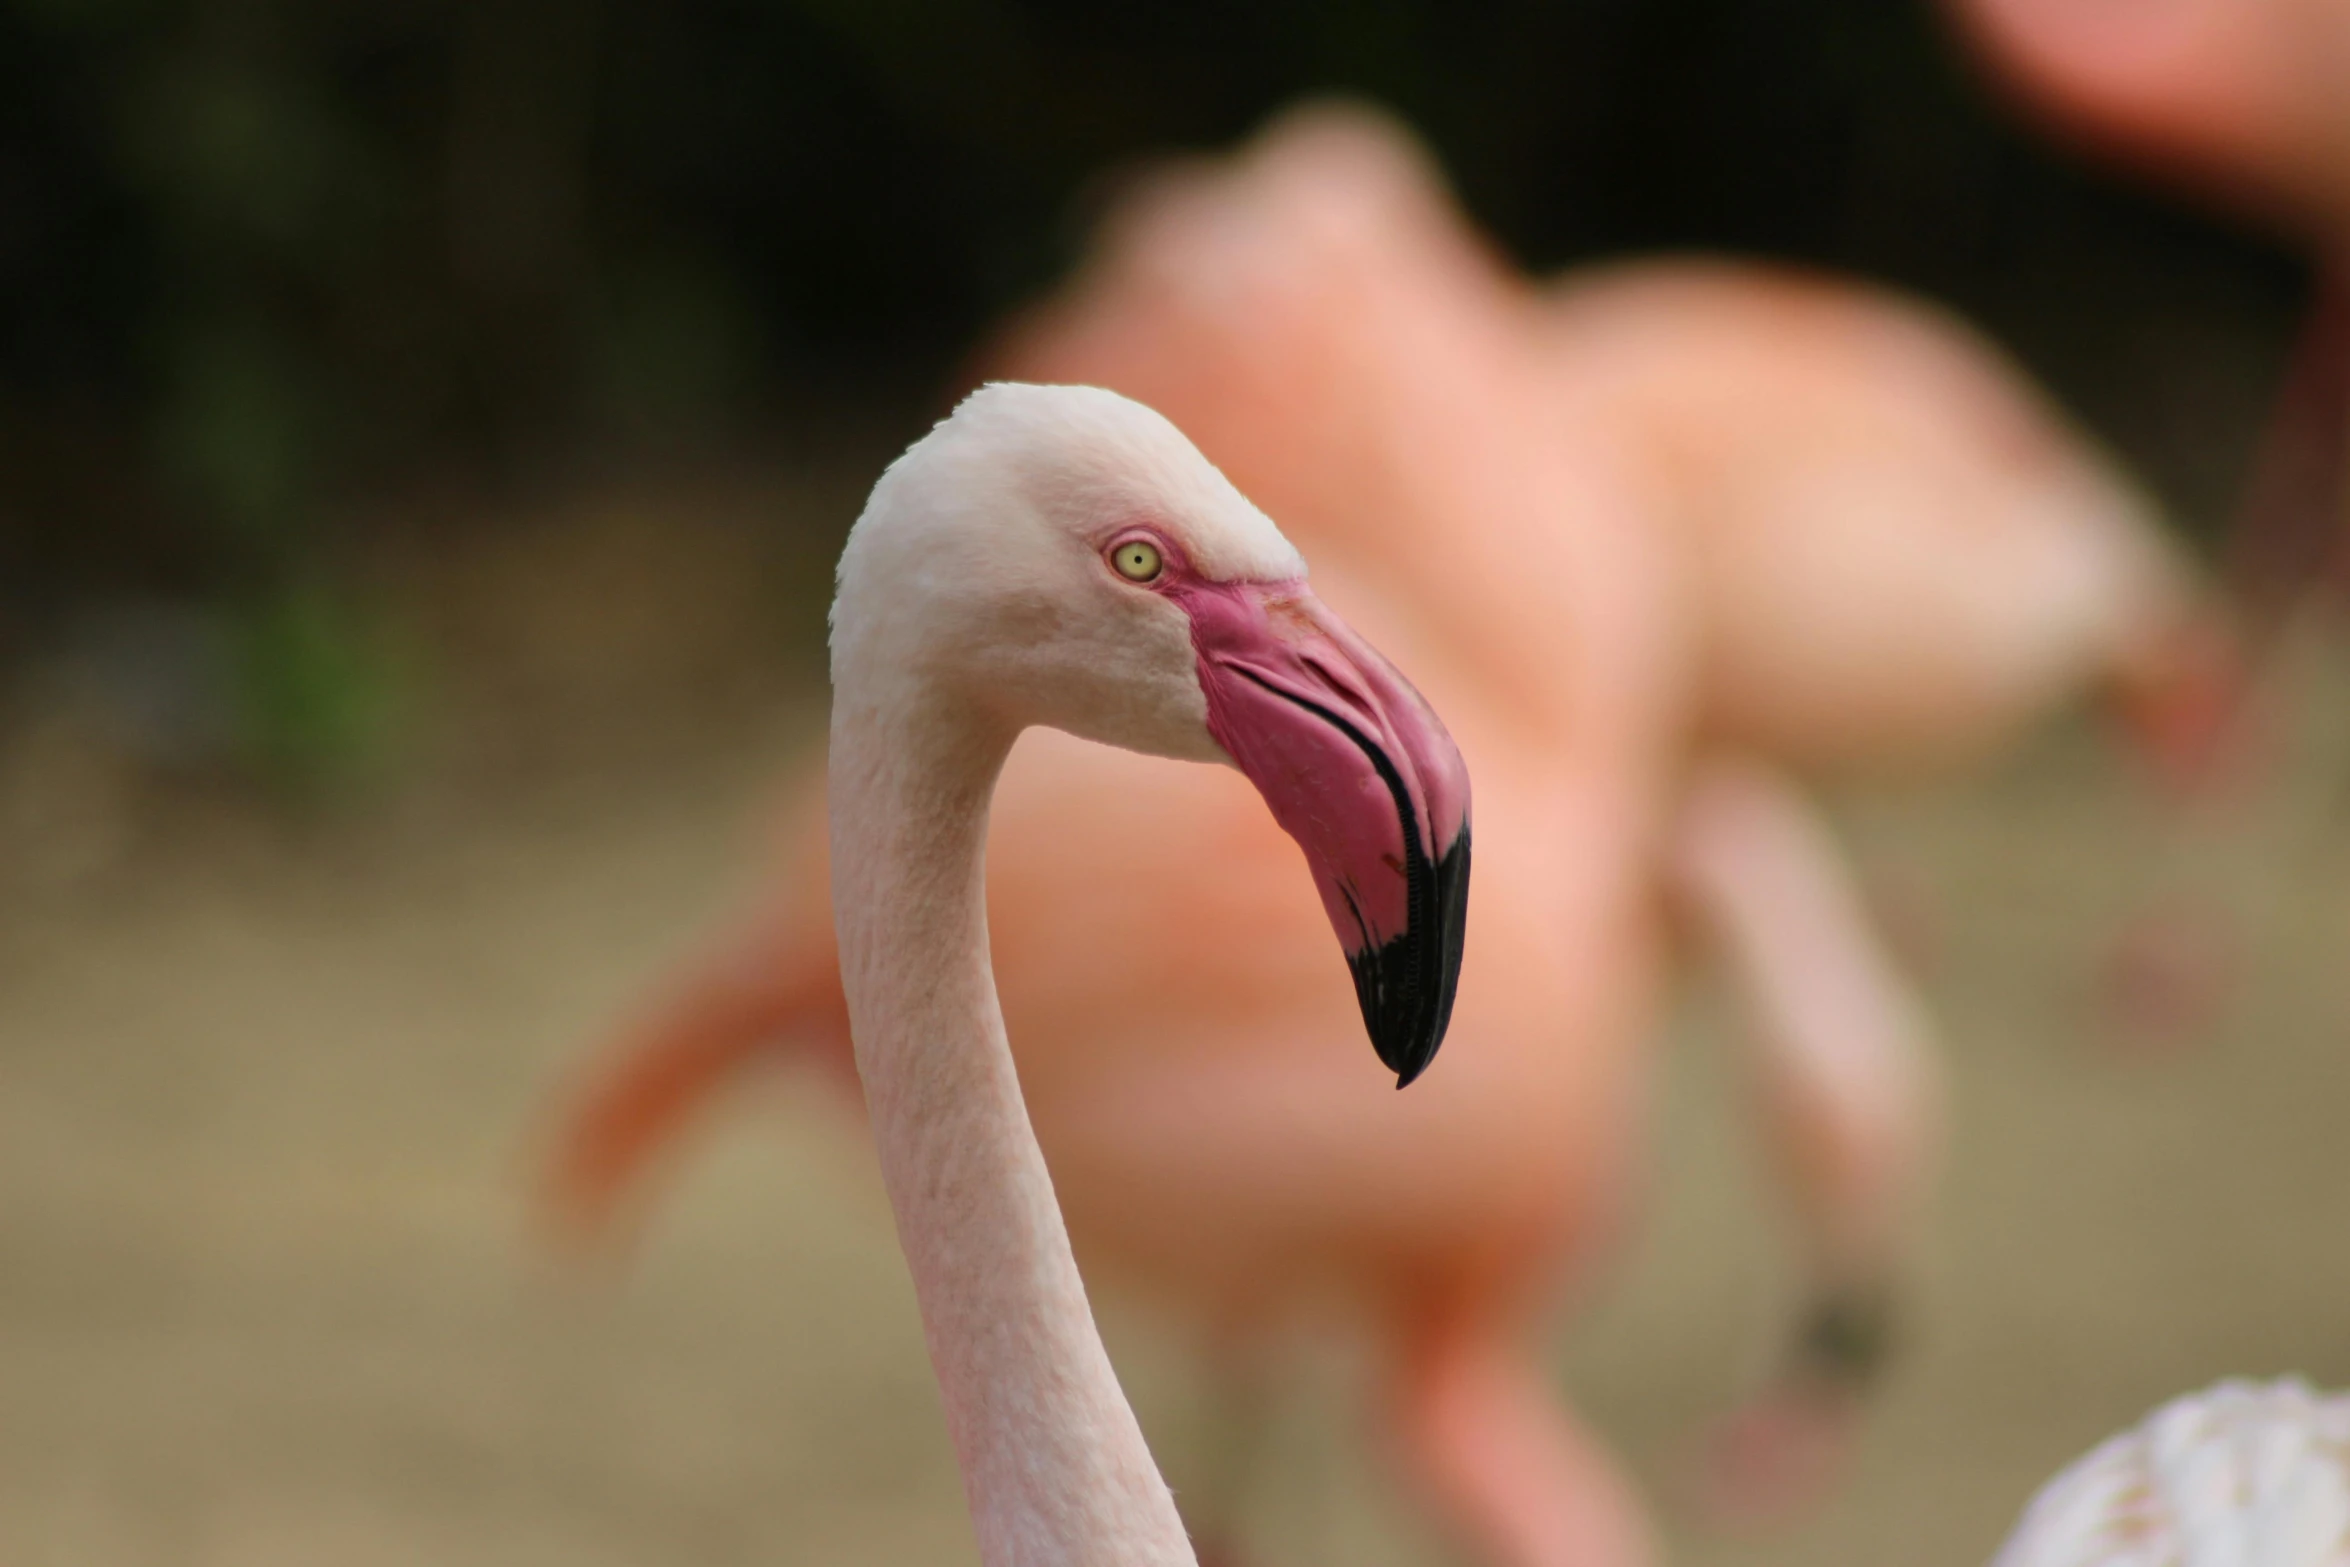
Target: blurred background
x: 425, y: 432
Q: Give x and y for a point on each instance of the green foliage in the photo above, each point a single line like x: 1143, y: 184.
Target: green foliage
x: 320, y: 696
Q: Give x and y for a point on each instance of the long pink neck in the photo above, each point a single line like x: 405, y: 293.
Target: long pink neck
x: 1054, y: 1465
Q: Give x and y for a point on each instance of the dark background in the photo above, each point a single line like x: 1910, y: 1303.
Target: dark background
x: 261, y: 260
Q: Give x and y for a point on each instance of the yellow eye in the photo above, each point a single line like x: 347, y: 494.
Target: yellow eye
x: 1137, y: 560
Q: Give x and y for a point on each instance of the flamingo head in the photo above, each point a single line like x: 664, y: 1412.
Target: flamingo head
x: 1063, y: 556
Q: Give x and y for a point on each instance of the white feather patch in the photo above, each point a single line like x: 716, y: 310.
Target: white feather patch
x: 2241, y: 1475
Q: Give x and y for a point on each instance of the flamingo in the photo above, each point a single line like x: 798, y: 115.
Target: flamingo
x: 2243, y: 99
x: 2249, y: 1473
x: 1884, y: 549
x: 1555, y: 659
x: 1063, y: 556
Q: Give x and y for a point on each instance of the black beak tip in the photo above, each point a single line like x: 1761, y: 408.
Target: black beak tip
x: 1404, y: 1015
x: 1406, y: 987
x: 1406, y: 1051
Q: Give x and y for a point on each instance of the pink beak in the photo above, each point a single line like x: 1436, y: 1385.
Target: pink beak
x: 1358, y: 770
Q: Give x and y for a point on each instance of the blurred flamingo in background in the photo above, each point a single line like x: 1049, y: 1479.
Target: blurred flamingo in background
x: 1890, y: 551
x: 2249, y: 100
x: 1211, y: 290
x: 1178, y: 623
x: 1901, y: 554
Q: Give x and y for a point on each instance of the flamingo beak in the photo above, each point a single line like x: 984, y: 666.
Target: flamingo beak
x: 1356, y: 768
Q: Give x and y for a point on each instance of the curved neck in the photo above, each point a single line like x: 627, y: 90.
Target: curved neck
x: 1054, y: 1465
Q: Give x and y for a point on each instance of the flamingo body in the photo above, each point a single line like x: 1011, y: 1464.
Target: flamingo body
x: 1899, y: 554
x: 1868, y: 542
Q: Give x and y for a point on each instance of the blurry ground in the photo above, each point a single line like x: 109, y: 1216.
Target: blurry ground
x: 268, y: 1092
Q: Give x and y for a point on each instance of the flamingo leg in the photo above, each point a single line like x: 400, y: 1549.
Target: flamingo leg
x: 1501, y: 1459
x: 1850, y: 1091
x: 1848, y: 1078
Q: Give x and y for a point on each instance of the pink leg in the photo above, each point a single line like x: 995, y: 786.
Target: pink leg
x: 1849, y: 1090
x: 1849, y: 1084
x: 1506, y: 1464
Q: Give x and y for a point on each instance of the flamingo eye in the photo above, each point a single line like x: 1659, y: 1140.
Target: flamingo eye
x: 1137, y: 560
